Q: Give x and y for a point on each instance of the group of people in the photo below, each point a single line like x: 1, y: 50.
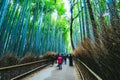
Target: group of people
x: 62, y: 58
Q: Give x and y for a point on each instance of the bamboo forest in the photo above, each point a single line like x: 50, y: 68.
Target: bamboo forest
x: 31, y: 30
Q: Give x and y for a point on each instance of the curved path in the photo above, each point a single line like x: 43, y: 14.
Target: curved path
x: 53, y: 73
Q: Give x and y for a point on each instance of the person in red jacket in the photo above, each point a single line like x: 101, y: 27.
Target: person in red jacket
x: 60, y: 60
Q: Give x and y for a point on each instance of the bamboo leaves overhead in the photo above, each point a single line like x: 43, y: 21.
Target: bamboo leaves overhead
x: 93, y: 18
x: 26, y: 26
x: 38, y: 26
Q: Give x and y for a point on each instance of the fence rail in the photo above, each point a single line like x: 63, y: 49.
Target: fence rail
x: 10, y: 72
x: 85, y: 72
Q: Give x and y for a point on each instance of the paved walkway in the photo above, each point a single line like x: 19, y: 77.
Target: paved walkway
x: 53, y: 73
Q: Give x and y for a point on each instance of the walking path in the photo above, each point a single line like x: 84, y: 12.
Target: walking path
x: 53, y: 73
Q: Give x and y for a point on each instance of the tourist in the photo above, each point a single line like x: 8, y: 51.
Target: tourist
x: 70, y: 60
x: 60, y: 60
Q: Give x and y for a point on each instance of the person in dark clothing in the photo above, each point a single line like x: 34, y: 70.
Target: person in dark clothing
x: 70, y: 60
x: 65, y: 57
x: 53, y: 60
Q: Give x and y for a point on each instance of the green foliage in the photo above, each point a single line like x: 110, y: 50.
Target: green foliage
x: 103, y: 5
x: 61, y: 23
x: 118, y: 7
x: 28, y: 27
x: 60, y: 7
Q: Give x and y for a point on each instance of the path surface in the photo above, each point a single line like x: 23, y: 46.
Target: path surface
x: 53, y: 73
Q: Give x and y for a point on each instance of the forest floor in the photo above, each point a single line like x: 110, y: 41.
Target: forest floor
x: 53, y: 73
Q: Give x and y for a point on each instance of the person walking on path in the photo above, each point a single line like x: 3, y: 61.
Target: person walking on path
x: 65, y: 57
x: 70, y: 60
x: 60, y: 60
x: 53, y: 59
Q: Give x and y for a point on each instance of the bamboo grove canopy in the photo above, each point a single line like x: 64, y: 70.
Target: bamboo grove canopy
x: 38, y: 26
